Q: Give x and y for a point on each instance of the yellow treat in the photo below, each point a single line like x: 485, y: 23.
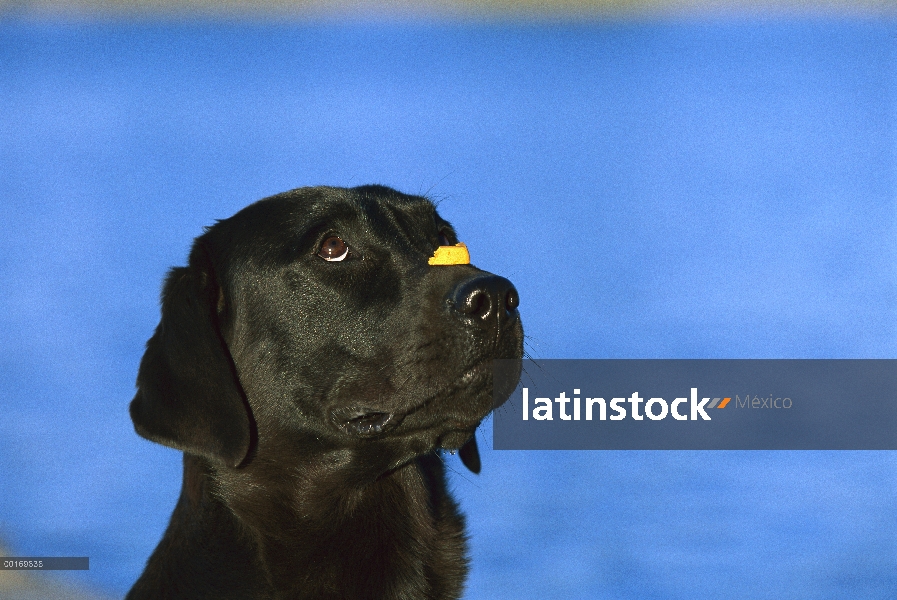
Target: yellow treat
x: 451, y: 255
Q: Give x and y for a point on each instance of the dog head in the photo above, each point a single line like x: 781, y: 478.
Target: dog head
x: 314, y: 319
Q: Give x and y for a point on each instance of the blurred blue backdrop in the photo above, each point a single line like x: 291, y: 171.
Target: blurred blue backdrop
x: 654, y: 189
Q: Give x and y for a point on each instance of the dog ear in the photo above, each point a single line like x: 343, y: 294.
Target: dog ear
x: 188, y: 394
x: 470, y: 455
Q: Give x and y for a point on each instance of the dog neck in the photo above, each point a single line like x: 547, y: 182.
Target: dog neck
x: 322, y: 538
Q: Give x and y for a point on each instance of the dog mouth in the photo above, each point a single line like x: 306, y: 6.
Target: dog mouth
x: 364, y: 422
x: 477, y: 371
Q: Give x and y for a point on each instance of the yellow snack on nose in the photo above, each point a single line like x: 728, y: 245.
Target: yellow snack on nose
x: 451, y: 255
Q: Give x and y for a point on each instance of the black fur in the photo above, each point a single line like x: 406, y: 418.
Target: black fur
x: 312, y: 399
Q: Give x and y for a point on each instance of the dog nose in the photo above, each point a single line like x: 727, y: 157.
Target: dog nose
x: 486, y: 298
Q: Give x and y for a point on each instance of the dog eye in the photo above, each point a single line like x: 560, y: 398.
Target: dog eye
x: 334, y: 249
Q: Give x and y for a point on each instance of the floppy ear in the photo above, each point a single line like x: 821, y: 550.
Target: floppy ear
x: 188, y: 395
x: 470, y: 454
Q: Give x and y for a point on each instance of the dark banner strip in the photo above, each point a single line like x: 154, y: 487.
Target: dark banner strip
x: 696, y: 405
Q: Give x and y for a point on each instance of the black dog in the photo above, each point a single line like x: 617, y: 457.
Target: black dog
x: 311, y: 364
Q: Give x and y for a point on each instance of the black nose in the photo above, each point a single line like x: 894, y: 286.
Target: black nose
x: 486, y: 299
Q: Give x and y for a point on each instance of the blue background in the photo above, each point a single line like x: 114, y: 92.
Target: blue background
x: 654, y: 189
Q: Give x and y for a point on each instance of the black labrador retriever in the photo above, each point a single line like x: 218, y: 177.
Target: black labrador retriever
x: 312, y: 363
